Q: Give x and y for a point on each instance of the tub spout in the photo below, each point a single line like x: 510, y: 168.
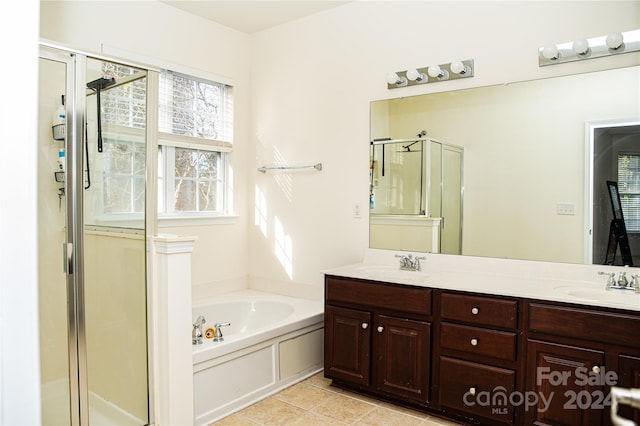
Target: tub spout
x: 196, y: 333
x: 217, y: 336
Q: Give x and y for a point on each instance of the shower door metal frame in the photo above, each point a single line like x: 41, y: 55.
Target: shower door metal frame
x: 72, y: 247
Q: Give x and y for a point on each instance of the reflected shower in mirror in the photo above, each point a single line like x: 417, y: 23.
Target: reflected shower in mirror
x: 527, y: 162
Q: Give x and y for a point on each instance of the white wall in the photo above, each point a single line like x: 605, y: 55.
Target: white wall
x: 19, y: 354
x: 313, y: 80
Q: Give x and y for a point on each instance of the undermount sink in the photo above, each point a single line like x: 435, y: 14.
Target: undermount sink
x: 617, y: 296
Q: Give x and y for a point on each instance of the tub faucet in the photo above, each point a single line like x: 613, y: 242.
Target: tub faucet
x: 196, y: 333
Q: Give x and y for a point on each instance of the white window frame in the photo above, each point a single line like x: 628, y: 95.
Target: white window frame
x: 166, y: 174
x: 166, y: 170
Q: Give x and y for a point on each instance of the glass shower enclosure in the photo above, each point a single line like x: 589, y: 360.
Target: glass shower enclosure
x: 92, y: 240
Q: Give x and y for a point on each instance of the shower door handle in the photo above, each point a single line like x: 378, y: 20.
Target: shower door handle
x: 67, y: 258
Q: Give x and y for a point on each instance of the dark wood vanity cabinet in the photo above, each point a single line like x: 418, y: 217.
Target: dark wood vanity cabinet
x: 482, y: 359
x: 574, y: 356
x: 378, y: 338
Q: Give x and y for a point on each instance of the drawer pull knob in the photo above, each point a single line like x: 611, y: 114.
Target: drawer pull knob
x: 364, y: 325
x: 380, y: 329
x: 595, y: 369
x: 474, y: 342
x: 472, y: 390
x: 475, y: 311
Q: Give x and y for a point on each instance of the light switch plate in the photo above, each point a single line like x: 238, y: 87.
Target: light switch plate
x: 566, y: 209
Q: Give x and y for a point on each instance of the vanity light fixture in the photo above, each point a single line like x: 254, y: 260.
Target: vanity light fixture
x: 431, y: 74
x: 596, y: 47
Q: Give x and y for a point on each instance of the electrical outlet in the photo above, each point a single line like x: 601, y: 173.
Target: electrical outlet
x: 357, y: 213
x: 566, y: 209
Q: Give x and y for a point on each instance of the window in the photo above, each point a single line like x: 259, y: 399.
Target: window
x: 629, y: 188
x: 195, y: 180
x: 195, y: 121
x: 121, y: 165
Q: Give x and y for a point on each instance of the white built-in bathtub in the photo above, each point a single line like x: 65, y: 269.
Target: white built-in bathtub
x: 273, y: 341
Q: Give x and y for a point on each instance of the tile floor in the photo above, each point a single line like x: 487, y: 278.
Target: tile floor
x: 314, y: 402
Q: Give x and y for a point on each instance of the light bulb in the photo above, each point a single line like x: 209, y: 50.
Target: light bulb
x: 393, y: 78
x: 414, y: 75
x: 581, y: 47
x: 551, y: 52
x: 458, y: 67
x: 614, y: 40
x: 436, y: 72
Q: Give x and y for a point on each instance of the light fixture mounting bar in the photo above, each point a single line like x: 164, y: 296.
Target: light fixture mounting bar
x: 597, y: 48
x: 468, y: 70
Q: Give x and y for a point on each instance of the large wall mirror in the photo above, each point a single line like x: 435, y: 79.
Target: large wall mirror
x: 528, y: 162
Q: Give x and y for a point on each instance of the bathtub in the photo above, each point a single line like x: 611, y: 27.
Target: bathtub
x: 273, y: 342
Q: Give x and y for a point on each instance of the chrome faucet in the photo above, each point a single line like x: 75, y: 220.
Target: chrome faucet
x: 622, y: 283
x: 196, y: 333
x: 410, y: 263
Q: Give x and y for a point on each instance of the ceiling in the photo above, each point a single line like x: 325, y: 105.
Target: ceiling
x: 250, y: 16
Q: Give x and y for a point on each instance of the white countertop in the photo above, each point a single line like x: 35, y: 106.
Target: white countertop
x: 523, y: 279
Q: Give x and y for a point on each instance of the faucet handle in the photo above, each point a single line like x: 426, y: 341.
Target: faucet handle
x: 635, y: 284
x: 622, y: 279
x: 217, y: 334
x: 611, y: 281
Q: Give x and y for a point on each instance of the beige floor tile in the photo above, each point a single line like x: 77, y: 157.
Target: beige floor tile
x: 406, y: 410
x: 234, y: 420
x: 343, y: 408
x: 314, y: 419
x: 318, y: 380
x: 271, y: 411
x: 385, y: 417
x: 303, y: 396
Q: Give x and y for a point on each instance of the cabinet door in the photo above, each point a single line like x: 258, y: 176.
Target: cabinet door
x: 629, y: 377
x: 565, y: 382
x: 403, y: 355
x: 347, y: 340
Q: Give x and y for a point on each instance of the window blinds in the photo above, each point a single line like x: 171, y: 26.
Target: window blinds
x: 195, y: 108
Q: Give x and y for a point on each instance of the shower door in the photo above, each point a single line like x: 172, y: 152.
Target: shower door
x: 91, y: 213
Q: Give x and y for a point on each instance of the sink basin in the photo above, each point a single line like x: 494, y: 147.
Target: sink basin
x: 620, y: 297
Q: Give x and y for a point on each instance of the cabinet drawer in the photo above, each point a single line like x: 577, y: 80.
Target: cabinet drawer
x: 480, y: 310
x: 478, y: 389
x: 480, y: 341
x: 404, y: 299
x: 602, y: 327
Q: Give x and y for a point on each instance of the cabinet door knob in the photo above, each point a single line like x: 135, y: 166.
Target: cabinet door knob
x: 595, y: 369
x: 364, y: 325
x: 475, y: 311
x: 380, y: 329
x: 474, y: 342
x: 472, y: 390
